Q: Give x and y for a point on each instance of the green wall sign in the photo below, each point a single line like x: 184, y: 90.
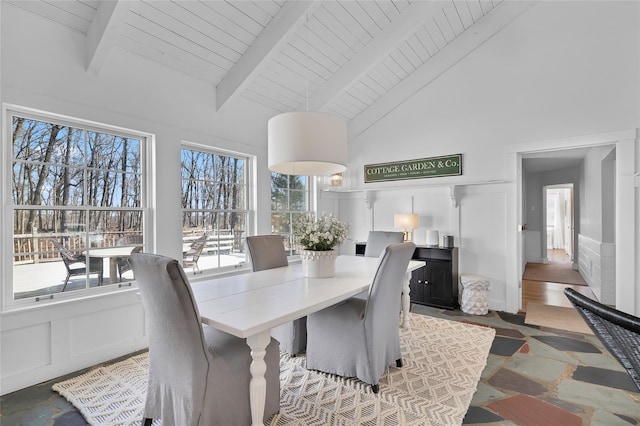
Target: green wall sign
x: 448, y: 165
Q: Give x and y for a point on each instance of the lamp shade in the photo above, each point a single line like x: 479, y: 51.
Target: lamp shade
x: 405, y: 220
x: 307, y: 143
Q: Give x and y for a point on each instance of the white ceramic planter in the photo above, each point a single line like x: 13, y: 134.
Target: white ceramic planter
x: 319, y: 264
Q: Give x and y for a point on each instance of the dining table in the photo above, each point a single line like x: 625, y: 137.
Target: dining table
x: 113, y: 254
x: 249, y: 305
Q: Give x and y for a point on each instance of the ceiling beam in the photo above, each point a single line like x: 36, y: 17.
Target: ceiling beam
x: 410, y: 19
x: 103, y: 31
x: 486, y: 27
x: 271, y: 38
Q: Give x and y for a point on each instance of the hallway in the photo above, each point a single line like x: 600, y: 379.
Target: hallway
x: 545, y: 283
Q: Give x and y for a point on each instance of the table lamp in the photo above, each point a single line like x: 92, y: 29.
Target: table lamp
x: 406, y: 221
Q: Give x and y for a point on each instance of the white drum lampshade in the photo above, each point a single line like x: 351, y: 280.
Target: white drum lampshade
x: 406, y: 221
x: 307, y: 144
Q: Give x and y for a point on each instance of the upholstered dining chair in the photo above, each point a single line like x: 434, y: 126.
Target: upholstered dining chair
x: 360, y: 337
x: 377, y: 241
x: 266, y: 252
x: 198, y: 375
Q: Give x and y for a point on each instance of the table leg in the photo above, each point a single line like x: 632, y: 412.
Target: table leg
x: 258, y: 385
x: 113, y: 269
x: 406, y: 301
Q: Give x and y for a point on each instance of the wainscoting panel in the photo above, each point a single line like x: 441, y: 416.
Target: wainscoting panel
x: 590, y: 263
x: 99, y: 330
x: 31, y: 349
x: 50, y: 341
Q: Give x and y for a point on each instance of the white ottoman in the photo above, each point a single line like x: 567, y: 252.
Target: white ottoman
x: 474, y: 294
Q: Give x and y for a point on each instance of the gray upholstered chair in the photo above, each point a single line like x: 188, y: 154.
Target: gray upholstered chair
x: 266, y: 252
x: 197, y: 375
x: 361, y: 338
x: 377, y: 241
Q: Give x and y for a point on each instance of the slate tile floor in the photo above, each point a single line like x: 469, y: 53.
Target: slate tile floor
x: 533, y: 376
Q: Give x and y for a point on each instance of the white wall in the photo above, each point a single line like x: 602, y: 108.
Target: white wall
x: 562, y: 70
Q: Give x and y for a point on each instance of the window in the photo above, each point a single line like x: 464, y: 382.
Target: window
x: 289, y: 199
x: 214, y: 209
x: 77, y: 200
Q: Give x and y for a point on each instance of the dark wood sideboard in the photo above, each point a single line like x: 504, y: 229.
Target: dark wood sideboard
x: 435, y: 284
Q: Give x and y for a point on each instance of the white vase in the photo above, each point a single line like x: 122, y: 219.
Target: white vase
x: 318, y: 264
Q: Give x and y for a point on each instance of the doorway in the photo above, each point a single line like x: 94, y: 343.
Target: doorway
x: 559, y: 224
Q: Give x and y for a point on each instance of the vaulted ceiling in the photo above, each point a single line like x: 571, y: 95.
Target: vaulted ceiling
x: 356, y: 59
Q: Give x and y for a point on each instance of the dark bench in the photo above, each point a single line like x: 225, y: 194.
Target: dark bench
x: 619, y: 331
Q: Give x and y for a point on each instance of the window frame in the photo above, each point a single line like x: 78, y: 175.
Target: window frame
x: 9, y: 111
x: 311, y: 192
x: 248, y: 211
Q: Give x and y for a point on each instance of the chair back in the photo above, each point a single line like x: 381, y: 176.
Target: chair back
x: 127, y: 240
x: 68, y: 257
x: 266, y: 252
x: 196, y: 248
x: 377, y: 241
x: 177, y: 353
x: 385, y: 293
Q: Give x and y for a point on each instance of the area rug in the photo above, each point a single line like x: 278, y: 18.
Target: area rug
x: 443, y: 361
x: 557, y: 317
x: 554, y: 272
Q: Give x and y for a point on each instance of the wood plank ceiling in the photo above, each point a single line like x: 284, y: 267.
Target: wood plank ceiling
x: 343, y: 57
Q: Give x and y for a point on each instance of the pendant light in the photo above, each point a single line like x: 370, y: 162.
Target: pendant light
x: 307, y: 143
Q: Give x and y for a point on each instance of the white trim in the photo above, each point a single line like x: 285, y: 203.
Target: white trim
x: 626, y: 142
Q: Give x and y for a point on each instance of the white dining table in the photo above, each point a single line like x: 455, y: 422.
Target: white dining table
x: 249, y: 305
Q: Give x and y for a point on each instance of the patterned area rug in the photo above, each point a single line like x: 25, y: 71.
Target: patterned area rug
x: 443, y: 361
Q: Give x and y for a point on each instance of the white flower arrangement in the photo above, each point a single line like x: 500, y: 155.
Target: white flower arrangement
x: 320, y: 233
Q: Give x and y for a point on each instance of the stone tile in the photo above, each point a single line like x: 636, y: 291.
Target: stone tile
x: 537, y: 348
x: 485, y: 393
x: 602, y: 418
x: 603, y: 360
x: 599, y: 397
x: 525, y: 349
x: 505, y: 346
x: 568, y: 406
x: 509, y: 332
x: 537, y: 368
x: 510, y: 380
x: 70, y: 418
x: 494, y: 363
x: 567, y: 344
x: 477, y: 415
x: 601, y: 376
x: 525, y: 410
x: 517, y: 319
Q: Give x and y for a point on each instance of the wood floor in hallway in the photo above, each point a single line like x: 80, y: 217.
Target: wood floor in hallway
x: 547, y: 289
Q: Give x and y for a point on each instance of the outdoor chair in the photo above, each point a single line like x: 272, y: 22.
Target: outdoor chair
x: 127, y: 240
x: 71, y: 261
x: 360, y: 337
x: 618, y: 331
x: 198, y: 375
x: 190, y: 257
x: 267, y: 252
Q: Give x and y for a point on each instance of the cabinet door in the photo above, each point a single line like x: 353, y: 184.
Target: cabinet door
x: 438, y: 290
x: 416, y: 286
